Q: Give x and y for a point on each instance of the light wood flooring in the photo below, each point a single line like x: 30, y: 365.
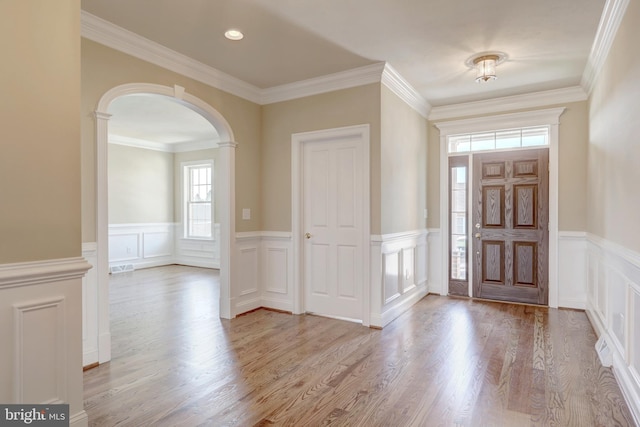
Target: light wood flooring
x: 445, y: 362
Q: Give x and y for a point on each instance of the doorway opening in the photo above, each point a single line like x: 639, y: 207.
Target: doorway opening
x: 224, y: 173
x: 499, y: 207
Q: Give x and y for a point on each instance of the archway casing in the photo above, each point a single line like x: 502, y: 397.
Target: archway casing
x: 225, y: 179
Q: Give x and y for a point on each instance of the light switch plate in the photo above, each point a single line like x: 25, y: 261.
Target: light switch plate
x: 246, y: 213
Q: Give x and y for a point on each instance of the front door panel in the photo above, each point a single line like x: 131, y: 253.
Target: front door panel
x: 511, y: 233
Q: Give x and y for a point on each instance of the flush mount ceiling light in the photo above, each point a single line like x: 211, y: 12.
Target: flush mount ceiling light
x: 234, y: 34
x: 485, y: 65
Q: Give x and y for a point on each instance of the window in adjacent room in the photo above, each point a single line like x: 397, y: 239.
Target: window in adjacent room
x: 198, y: 199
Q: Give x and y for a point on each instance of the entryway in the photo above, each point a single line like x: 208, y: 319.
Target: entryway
x: 331, y: 221
x: 499, y: 207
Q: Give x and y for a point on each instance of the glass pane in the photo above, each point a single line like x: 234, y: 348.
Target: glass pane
x: 534, y: 137
x: 508, y: 139
x: 458, y: 223
x: 459, y: 144
x: 199, y: 219
x: 483, y: 141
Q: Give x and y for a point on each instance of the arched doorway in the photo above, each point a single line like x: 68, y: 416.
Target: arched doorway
x: 225, y: 187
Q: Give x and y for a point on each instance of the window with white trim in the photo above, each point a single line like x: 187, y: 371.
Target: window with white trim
x: 507, y: 139
x: 198, y: 199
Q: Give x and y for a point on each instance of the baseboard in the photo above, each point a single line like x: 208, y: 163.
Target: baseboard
x: 400, y: 305
x: 277, y: 304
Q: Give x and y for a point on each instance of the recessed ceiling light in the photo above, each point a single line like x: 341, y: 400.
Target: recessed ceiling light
x: 234, y: 34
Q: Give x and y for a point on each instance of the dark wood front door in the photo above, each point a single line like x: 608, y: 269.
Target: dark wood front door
x: 511, y: 226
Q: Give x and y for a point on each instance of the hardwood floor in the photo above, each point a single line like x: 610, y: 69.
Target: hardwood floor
x: 445, y: 362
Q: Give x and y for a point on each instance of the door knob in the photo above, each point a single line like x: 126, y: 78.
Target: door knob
x: 478, y: 235
x: 307, y: 235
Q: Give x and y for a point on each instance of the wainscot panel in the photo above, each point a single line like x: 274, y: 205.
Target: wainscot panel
x: 399, y: 274
x: 613, y: 306
x: 41, y: 325
x: 90, y: 307
x: 265, y: 270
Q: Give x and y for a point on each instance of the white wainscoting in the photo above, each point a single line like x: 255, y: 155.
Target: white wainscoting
x: 41, y: 328
x: 152, y: 245
x: 572, y: 269
x: 90, y: 341
x: 265, y: 271
x: 613, y: 306
x: 437, y: 284
x: 399, y: 274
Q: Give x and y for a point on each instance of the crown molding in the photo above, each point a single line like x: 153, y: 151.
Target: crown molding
x: 609, y: 23
x: 509, y: 103
x: 115, y: 37
x: 165, y: 147
x: 342, y: 80
x: 108, y: 34
x: 398, y: 85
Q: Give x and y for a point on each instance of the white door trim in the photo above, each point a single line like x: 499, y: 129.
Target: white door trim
x: 225, y: 181
x: 550, y: 117
x: 361, y: 133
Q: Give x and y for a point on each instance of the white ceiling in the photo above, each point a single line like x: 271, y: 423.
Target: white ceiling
x: 427, y: 41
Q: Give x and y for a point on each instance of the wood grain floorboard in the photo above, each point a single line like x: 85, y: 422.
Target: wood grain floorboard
x: 444, y: 362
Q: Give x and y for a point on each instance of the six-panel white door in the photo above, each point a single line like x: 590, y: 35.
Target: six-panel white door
x: 332, y: 223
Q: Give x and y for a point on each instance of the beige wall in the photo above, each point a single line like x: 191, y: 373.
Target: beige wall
x: 614, y: 147
x: 104, y: 68
x: 572, y: 169
x: 40, y: 133
x: 403, y: 148
x: 140, y: 185
x: 280, y: 120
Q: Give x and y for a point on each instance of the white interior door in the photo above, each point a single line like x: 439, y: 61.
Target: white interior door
x: 333, y: 173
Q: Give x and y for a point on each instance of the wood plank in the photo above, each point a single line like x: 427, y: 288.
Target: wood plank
x: 446, y: 361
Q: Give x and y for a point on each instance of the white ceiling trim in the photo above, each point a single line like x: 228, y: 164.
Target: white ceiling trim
x: 609, y: 23
x: 509, y: 103
x: 343, y: 80
x: 180, y: 147
x: 398, y: 85
x: 115, y: 37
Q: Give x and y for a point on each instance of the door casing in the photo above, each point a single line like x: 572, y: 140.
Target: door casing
x: 546, y: 117
x: 360, y: 133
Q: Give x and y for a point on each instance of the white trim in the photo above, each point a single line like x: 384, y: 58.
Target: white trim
x: 115, y: 37
x: 39, y: 272
x: 225, y: 186
x: 385, y: 238
x: 297, y: 141
x: 509, y: 103
x: 611, y: 266
x: 549, y: 117
x: 403, y: 90
x: 610, y: 21
x: 260, y: 235
x: 165, y: 147
x: 341, y: 80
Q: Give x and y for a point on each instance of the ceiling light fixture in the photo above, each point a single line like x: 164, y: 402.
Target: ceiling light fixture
x: 234, y: 34
x: 485, y: 65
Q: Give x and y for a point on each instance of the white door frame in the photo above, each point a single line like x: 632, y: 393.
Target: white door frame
x: 547, y: 117
x: 359, y: 133
x: 225, y: 187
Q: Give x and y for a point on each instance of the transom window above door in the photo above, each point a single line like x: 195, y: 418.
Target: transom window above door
x: 507, y: 139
